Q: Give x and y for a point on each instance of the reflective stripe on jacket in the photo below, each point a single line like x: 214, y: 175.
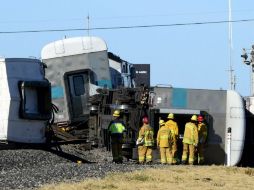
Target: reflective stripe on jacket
x: 190, y: 134
x: 164, y: 137
x: 146, y: 133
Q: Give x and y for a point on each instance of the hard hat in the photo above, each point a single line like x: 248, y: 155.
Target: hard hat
x: 171, y: 116
x: 116, y: 113
x: 161, y: 122
x: 194, y: 118
x: 145, y: 120
x: 200, y: 118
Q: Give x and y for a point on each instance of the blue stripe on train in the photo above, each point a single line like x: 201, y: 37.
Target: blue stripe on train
x: 179, y: 98
x: 105, y: 83
x: 57, y: 92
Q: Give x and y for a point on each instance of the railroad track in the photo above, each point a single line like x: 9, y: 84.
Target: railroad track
x: 32, y: 168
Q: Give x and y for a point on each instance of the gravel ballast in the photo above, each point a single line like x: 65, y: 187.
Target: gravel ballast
x: 32, y: 168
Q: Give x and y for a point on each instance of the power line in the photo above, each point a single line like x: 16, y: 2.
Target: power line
x: 126, y: 27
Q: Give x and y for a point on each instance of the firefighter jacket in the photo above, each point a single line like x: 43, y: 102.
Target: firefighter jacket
x: 164, y: 137
x: 172, y: 125
x: 202, y: 132
x: 146, y: 135
x: 190, y: 134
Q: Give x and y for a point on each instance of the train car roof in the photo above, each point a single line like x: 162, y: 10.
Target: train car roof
x: 73, y: 46
x: 168, y: 86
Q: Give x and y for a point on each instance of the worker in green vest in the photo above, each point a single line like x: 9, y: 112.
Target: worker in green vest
x: 116, y: 129
x: 145, y: 142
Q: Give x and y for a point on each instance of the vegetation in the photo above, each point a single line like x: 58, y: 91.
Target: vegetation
x: 169, y: 177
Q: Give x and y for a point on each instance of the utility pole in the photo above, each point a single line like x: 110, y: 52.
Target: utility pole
x: 231, y: 71
x: 252, y: 70
x: 88, y: 25
x: 251, y: 63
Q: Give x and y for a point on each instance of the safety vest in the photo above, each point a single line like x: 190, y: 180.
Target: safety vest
x: 202, y: 132
x: 190, y: 134
x: 116, y: 127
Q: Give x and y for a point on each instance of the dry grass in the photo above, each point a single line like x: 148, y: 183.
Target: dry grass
x: 170, y: 177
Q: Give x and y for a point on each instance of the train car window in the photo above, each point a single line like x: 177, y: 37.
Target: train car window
x: 93, y: 78
x: 79, y: 85
x: 124, y: 68
x: 35, y: 100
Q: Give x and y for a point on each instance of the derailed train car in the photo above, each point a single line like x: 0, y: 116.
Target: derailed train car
x: 76, y: 68
x: 79, y: 71
x: 224, y: 112
x: 25, y: 101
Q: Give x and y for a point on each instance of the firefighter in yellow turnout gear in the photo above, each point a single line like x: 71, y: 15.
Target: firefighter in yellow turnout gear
x: 172, y: 125
x: 116, y: 129
x: 145, y: 142
x: 202, y: 136
x: 165, y: 141
x: 190, y: 141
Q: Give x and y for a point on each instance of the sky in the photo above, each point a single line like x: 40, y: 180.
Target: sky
x: 185, y: 56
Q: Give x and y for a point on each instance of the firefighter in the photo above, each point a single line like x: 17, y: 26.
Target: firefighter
x: 190, y: 141
x: 145, y: 142
x: 116, y: 129
x: 165, y: 141
x: 202, y: 136
x: 172, y: 125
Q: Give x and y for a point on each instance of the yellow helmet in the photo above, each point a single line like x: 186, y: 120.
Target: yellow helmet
x: 161, y: 122
x: 171, y: 116
x: 116, y: 113
x: 194, y: 118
